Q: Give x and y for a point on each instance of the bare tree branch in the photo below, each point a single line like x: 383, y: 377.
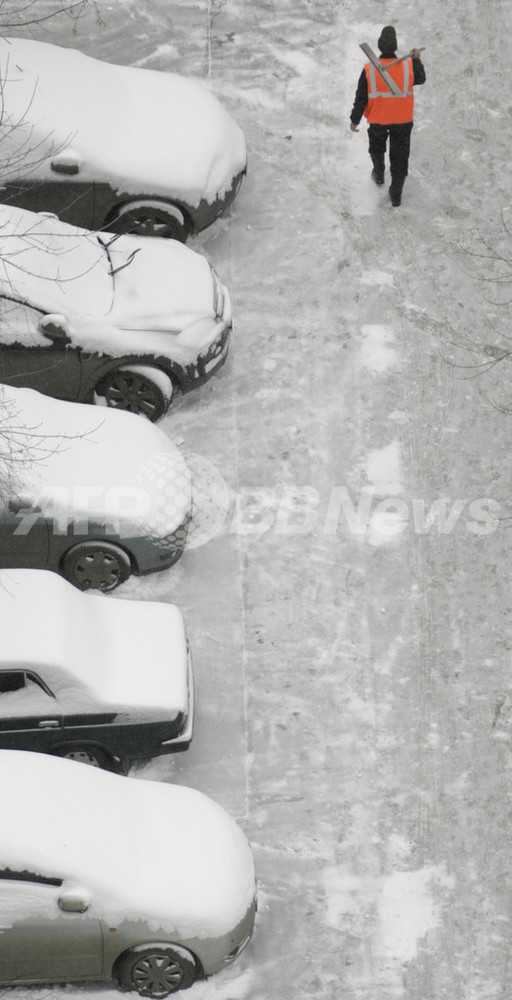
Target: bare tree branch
x: 13, y: 16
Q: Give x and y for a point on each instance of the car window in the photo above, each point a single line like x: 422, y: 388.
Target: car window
x: 19, y: 324
x: 11, y: 680
x: 24, y: 898
x: 11, y: 874
x: 23, y: 693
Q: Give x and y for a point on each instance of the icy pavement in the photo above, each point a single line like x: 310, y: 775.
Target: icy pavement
x: 351, y: 621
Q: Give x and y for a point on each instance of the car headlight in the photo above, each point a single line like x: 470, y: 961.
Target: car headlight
x: 218, y: 295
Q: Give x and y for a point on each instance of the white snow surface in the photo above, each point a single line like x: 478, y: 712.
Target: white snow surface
x: 144, y: 850
x: 131, y: 655
x: 384, y: 469
x: 406, y: 912
x: 377, y: 348
x: 140, y: 130
x: 354, y: 701
x: 405, y: 904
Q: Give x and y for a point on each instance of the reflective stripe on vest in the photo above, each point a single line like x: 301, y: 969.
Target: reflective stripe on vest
x: 384, y: 107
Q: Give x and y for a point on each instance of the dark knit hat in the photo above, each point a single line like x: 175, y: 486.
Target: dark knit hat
x: 387, y: 42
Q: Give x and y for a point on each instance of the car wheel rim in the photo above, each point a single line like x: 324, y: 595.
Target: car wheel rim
x: 150, y: 224
x: 131, y: 392
x: 97, y: 570
x: 83, y: 757
x: 157, y: 975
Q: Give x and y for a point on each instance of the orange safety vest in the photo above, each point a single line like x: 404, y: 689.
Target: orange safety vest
x: 383, y: 107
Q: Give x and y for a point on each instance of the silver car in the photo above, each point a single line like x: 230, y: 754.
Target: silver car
x: 93, y: 494
x: 105, y: 877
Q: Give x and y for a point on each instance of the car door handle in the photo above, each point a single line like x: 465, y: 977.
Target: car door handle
x: 49, y: 724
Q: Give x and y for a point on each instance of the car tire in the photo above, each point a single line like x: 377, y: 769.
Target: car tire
x: 138, y: 389
x: 149, y: 218
x: 93, y: 756
x: 157, y: 970
x: 95, y: 565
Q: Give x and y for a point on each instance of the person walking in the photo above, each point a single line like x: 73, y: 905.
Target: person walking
x: 388, y: 115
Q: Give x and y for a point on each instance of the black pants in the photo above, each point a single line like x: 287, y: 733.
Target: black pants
x: 399, y: 148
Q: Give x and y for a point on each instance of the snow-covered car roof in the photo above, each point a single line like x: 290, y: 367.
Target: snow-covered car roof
x: 144, y: 849
x: 122, y: 652
x: 93, y: 462
x: 134, y: 128
x: 118, y: 294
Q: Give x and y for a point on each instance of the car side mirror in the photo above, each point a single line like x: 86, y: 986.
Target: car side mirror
x: 55, y: 327
x: 17, y: 504
x: 74, y: 901
x: 67, y: 162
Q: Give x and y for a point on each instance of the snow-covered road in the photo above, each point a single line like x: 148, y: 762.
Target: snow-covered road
x: 352, y: 641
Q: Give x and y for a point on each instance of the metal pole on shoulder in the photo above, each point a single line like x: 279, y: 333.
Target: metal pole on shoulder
x: 383, y: 70
x: 401, y: 58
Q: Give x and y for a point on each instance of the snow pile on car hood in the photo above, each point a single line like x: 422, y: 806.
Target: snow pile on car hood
x: 164, y: 284
x: 143, y: 849
x: 86, y: 463
x: 142, y: 131
x: 123, y: 653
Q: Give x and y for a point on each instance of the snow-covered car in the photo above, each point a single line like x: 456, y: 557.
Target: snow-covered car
x: 105, y: 877
x: 116, y: 319
x: 93, y: 494
x: 103, y: 682
x: 114, y: 147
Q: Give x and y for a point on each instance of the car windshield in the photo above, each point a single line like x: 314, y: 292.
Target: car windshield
x: 54, y: 267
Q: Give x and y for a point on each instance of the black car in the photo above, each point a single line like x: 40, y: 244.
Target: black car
x: 115, y: 320
x: 114, y: 147
x: 75, y: 677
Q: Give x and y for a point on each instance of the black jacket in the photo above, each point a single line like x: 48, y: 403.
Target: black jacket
x: 362, y: 90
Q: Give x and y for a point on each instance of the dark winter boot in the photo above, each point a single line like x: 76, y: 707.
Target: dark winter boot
x: 395, y: 191
x: 378, y: 169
